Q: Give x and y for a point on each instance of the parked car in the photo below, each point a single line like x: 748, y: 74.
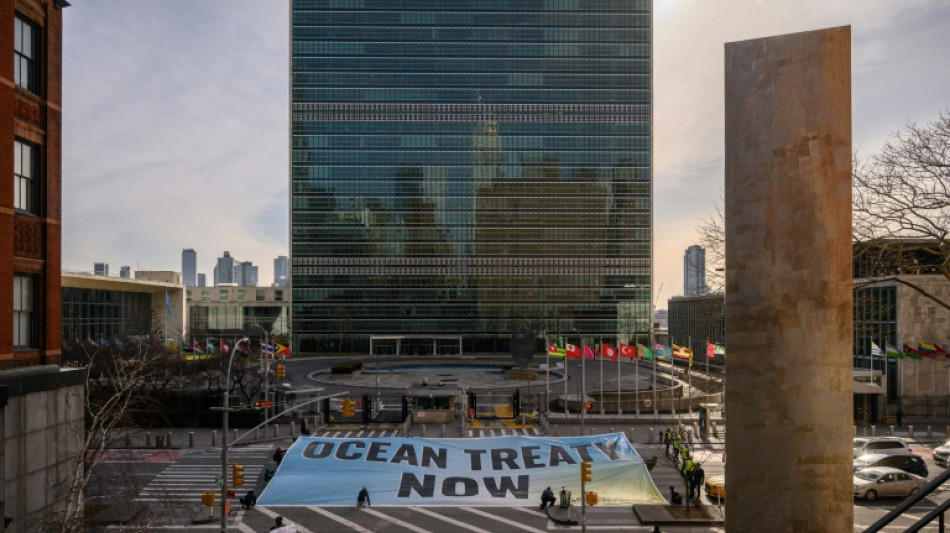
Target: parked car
x: 715, y: 488
x: 883, y: 481
x: 908, y: 462
x: 942, y: 455
x: 879, y: 445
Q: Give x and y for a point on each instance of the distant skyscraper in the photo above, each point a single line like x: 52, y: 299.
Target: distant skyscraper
x: 281, y: 271
x: 125, y: 271
x: 462, y: 169
x: 189, y: 267
x: 245, y: 274
x: 202, y: 281
x: 100, y: 269
x: 694, y: 271
x: 224, y: 269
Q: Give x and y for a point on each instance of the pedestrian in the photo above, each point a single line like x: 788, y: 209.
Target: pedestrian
x: 900, y: 416
x: 668, y: 440
x: 278, y: 455
x: 278, y: 524
x: 699, y: 477
x: 676, y: 444
x: 675, y: 497
x: 547, y: 498
x: 362, y: 500
x: 656, y: 529
x: 249, y: 500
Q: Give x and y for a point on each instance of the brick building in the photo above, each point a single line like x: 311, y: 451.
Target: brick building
x: 30, y: 214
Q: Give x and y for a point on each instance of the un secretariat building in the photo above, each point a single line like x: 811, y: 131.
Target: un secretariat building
x: 463, y: 169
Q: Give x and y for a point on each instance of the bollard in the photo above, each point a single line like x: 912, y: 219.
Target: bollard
x: 652, y: 435
x: 910, y: 432
x: 591, y: 431
x: 855, y: 430
x: 128, y: 439
x: 234, y: 438
x: 443, y: 431
x: 191, y: 439
x: 292, y: 428
x: 424, y: 430
x: 632, y: 440
x: 276, y: 428
x: 168, y: 439
x: 930, y: 432
x: 715, y: 429
x: 892, y: 431
x: 148, y: 439
x: 874, y: 430
x: 612, y: 430
x: 214, y: 438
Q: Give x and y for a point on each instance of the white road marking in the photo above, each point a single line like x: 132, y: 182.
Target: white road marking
x: 272, y: 514
x: 452, y: 521
x: 505, y: 521
x: 396, y: 521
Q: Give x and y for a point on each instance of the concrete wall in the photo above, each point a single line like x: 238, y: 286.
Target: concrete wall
x: 789, y: 289
x: 43, y: 428
x: 920, y: 319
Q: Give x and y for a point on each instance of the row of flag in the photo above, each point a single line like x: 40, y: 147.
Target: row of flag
x: 572, y: 351
x: 275, y: 349
x: 930, y: 351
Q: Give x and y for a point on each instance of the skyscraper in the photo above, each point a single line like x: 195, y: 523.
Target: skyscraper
x: 224, y: 269
x: 281, y: 271
x: 245, y: 274
x: 694, y: 271
x: 125, y: 271
x: 201, y: 279
x: 466, y: 168
x: 100, y: 269
x: 189, y: 267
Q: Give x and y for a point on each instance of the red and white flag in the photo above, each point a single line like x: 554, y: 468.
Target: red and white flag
x: 589, y: 352
x: 608, y: 351
x: 628, y: 351
x: 573, y: 351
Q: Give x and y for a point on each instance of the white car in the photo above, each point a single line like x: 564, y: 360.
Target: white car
x: 942, y: 455
x: 882, y: 481
x: 879, y: 445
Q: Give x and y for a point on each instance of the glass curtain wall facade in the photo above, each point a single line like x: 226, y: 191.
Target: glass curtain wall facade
x: 470, y: 167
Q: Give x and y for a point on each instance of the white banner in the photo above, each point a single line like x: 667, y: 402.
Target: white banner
x: 489, y: 471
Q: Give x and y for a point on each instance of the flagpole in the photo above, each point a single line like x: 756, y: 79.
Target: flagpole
x: 547, y: 381
x: 583, y: 384
x: 601, y: 375
x: 689, y: 376
x: 636, y: 383
x: 656, y: 408
x: 566, y: 365
x: 620, y: 376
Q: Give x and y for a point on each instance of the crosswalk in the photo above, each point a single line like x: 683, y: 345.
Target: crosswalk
x: 196, y: 473
x: 504, y: 432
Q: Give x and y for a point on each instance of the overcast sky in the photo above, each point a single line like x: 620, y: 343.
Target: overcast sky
x: 176, y: 118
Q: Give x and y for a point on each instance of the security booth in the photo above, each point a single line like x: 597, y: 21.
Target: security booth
x: 434, y: 405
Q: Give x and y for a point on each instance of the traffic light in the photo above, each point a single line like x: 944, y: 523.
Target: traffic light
x: 591, y: 499
x: 588, y: 405
x: 349, y: 408
x: 237, y: 475
x: 585, y: 472
x: 207, y: 498
x: 281, y: 371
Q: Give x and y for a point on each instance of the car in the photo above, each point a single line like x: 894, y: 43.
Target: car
x: 879, y: 445
x: 884, y: 481
x: 908, y: 462
x: 715, y: 488
x: 942, y: 455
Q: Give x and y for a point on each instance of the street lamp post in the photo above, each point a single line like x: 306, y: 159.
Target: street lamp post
x: 224, y: 437
x: 266, y: 368
x: 583, y: 381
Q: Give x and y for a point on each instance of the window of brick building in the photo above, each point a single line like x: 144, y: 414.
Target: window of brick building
x: 24, y: 303
x: 26, y: 46
x: 25, y: 166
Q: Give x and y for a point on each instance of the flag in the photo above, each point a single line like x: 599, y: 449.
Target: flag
x: 941, y: 351
x: 118, y: 344
x: 225, y: 349
x: 196, y: 348
x: 209, y: 346
x: 710, y: 350
x: 875, y: 349
x: 282, y: 349
x: 556, y: 351
x: 628, y: 351
x: 681, y: 352
x: 645, y: 352
x: 912, y: 352
x: 926, y: 350
x: 267, y: 349
x: 572, y: 351
x: 608, y: 351
x: 663, y: 352
x: 720, y: 350
x: 893, y: 352
x: 168, y: 304
x: 92, y: 342
x: 172, y: 347
x: 588, y: 352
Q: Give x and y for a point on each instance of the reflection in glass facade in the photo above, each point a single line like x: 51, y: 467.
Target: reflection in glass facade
x: 97, y: 314
x: 469, y: 167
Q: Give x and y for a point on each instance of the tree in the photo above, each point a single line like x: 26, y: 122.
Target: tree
x: 902, y: 207
x: 901, y: 210
x: 712, y: 237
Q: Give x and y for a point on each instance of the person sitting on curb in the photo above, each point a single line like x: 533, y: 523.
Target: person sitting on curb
x: 547, y: 498
x: 249, y: 500
x: 362, y: 500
